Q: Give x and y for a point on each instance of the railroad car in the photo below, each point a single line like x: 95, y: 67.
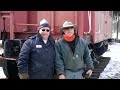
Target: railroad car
x: 16, y: 26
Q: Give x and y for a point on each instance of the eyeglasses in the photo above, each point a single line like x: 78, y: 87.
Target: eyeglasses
x: 46, y: 30
x: 67, y: 28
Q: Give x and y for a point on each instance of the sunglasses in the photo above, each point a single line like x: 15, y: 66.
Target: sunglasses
x: 46, y: 30
x: 67, y: 28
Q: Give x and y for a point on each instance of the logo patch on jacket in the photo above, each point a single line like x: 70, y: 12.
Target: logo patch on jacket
x: 38, y: 46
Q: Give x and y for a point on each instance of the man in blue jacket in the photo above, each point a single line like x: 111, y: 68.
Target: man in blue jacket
x: 37, y: 55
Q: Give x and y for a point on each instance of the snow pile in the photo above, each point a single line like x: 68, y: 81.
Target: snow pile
x: 112, y: 70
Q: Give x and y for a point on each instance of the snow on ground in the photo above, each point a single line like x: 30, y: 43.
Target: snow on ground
x: 2, y: 75
x: 112, y: 70
x: 1, y: 50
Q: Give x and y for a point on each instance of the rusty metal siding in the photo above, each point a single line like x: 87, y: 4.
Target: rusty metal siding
x: 20, y: 17
x: 57, y: 18
x: 99, y: 20
x: 32, y: 19
x: 103, y: 21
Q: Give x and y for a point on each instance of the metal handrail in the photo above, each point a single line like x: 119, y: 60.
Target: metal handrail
x: 89, y: 20
x: 27, y: 24
x: 98, y: 18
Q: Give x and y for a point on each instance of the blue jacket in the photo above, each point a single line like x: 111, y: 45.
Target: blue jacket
x: 37, y: 58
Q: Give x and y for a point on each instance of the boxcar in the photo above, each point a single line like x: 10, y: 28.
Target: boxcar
x: 17, y: 26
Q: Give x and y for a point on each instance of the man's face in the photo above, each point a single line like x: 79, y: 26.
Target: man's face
x: 69, y: 31
x: 45, y: 32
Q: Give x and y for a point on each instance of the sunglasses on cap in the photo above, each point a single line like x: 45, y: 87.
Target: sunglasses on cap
x: 46, y: 30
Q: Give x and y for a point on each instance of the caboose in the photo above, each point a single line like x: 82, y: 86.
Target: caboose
x: 17, y: 26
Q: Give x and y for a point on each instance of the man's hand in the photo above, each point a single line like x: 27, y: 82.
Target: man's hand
x: 61, y: 76
x: 24, y: 75
x: 89, y: 73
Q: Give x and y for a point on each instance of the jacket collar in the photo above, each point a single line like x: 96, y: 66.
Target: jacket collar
x: 50, y: 39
